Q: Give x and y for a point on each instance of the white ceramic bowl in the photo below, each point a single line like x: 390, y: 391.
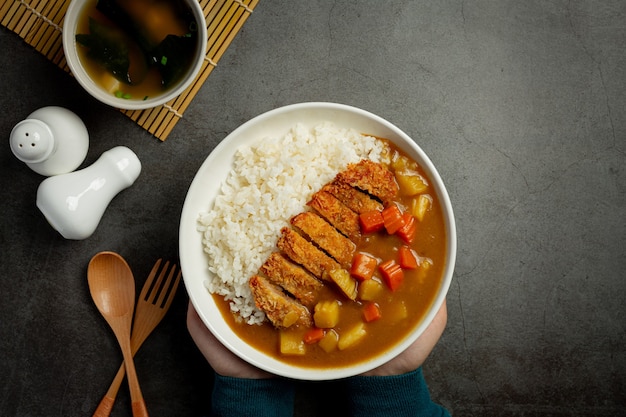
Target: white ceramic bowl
x: 205, y: 187
x: 83, y: 78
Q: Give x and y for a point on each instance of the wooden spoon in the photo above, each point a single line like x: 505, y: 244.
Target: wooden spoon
x: 112, y: 288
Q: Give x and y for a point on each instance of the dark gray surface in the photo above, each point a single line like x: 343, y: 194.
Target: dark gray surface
x: 521, y: 107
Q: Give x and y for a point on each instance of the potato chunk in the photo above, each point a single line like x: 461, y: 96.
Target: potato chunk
x: 411, y: 183
x: 345, y: 282
x: 397, y: 312
x: 370, y: 290
x: 352, y: 336
x: 329, y: 341
x: 420, y: 205
x: 402, y: 163
x: 326, y: 314
x: 424, y: 268
x: 291, y: 343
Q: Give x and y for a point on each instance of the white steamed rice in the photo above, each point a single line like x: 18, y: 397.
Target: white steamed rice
x: 270, y: 182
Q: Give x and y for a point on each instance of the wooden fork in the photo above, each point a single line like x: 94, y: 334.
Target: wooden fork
x: 154, y: 301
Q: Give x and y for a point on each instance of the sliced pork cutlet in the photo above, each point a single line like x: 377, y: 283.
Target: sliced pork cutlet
x: 325, y: 236
x: 372, y: 178
x: 294, y: 279
x: 356, y: 200
x: 304, y: 253
x: 337, y: 214
x: 281, y: 310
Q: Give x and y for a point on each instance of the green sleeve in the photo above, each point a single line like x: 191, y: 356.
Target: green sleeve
x: 392, y: 396
x: 233, y: 397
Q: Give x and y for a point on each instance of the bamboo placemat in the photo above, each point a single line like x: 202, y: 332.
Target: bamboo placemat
x: 40, y: 24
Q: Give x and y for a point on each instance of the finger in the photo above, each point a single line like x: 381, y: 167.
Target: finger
x: 427, y: 340
x: 202, y: 336
x: 435, y: 329
x: 222, y: 360
x: 195, y: 326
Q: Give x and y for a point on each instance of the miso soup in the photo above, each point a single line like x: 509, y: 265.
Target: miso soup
x: 136, y: 49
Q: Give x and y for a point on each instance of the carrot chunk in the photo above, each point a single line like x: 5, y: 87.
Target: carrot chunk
x: 371, y: 312
x: 371, y: 221
x: 363, y: 266
x: 407, y: 231
x: 313, y: 336
x: 406, y: 258
x: 392, y: 218
x: 392, y: 274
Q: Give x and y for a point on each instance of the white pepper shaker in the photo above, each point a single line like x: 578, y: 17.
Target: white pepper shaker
x: 74, y: 203
x: 51, y: 141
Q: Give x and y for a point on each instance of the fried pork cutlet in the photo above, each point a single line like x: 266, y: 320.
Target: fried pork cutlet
x: 280, y: 309
x: 304, y: 253
x: 354, y: 199
x: 332, y: 225
x: 292, y: 278
x: 337, y: 214
x: 326, y: 237
x: 371, y: 177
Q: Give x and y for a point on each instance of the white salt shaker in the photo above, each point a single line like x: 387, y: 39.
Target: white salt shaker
x: 51, y: 141
x: 74, y: 203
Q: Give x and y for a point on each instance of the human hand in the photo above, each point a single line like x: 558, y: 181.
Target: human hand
x: 222, y: 360
x: 415, y: 355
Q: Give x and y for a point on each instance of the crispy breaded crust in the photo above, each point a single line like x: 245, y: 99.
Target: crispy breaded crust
x: 304, y: 253
x: 282, y: 310
x: 337, y: 214
x: 292, y: 278
x: 354, y: 199
x: 326, y: 237
x: 371, y: 177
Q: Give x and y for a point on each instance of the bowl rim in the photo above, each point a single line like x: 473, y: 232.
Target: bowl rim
x: 190, y: 251
x: 79, y: 73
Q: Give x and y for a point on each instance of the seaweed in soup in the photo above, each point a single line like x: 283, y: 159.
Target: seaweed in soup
x: 114, y: 12
x: 132, y: 45
x: 111, y: 48
x: 173, y: 56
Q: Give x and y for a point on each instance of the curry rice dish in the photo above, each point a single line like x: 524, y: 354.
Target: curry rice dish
x: 355, y: 270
